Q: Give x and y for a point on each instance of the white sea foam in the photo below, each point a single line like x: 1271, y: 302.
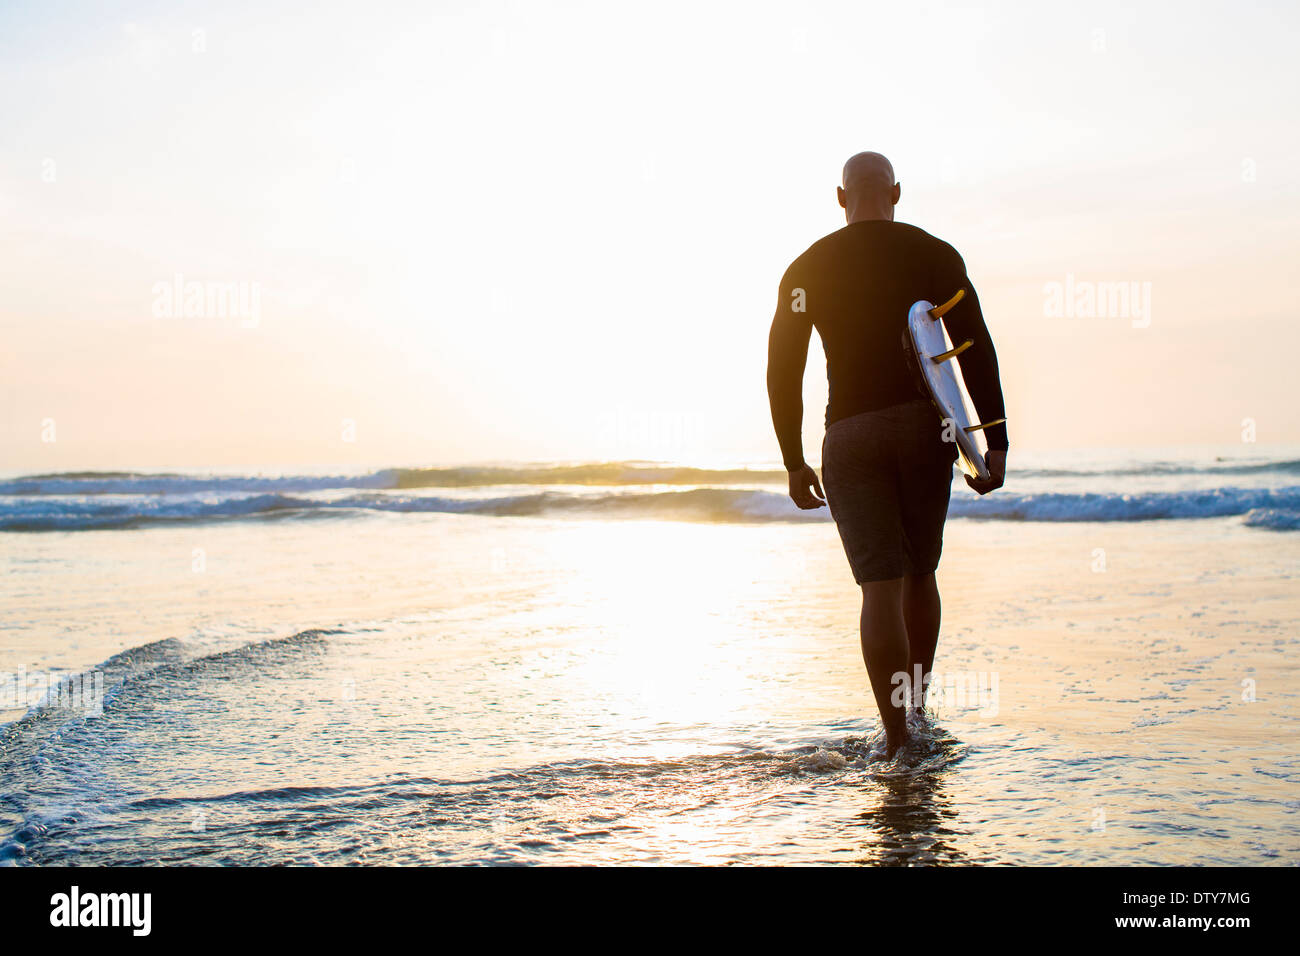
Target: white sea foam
x: 1272, y: 508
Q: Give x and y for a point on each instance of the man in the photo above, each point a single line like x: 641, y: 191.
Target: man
x: 887, y: 467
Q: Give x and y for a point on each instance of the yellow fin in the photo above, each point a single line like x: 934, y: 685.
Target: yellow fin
x: 952, y: 353
x: 938, y: 311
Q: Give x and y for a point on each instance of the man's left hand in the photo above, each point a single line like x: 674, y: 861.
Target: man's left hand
x: 997, y: 465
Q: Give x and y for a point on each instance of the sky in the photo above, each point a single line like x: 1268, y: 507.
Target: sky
x: 467, y: 232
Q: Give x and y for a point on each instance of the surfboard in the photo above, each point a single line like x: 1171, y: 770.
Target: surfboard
x: 932, y: 353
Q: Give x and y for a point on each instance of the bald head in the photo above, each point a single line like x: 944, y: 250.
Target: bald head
x: 867, y: 171
x: 868, y: 189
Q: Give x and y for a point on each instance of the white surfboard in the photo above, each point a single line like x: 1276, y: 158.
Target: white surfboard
x: 933, y: 353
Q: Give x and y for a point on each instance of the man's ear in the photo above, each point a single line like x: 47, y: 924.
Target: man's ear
x: 839, y: 194
x: 898, y: 191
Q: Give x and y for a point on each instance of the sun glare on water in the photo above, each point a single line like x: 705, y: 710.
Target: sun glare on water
x: 669, y: 603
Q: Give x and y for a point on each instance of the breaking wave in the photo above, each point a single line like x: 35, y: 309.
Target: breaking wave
x: 613, y: 473
x: 1273, y: 508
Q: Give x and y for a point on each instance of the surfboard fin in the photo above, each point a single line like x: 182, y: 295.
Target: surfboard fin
x: 952, y: 353
x: 983, y: 425
x: 938, y: 311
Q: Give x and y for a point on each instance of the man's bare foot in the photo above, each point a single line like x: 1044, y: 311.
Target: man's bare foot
x: 895, y: 744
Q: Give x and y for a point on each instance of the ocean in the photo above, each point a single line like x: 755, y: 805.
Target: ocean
x: 642, y: 663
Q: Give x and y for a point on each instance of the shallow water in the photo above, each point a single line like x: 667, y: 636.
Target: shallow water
x: 422, y: 687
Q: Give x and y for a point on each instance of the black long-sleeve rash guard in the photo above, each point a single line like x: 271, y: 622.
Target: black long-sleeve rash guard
x: 855, y: 287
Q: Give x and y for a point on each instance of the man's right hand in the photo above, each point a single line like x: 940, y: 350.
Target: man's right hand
x: 997, y: 465
x: 805, y: 489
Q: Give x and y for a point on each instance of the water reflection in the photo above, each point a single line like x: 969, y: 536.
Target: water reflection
x: 912, y: 819
x: 911, y: 823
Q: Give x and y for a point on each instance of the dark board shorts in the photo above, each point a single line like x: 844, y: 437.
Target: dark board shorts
x: 887, y: 476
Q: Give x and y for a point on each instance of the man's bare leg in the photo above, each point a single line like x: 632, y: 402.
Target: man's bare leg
x: 921, y: 612
x: 885, y: 652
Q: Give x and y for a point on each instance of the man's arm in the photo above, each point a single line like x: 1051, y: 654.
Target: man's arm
x: 979, y: 369
x: 787, y: 354
x: 979, y: 364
